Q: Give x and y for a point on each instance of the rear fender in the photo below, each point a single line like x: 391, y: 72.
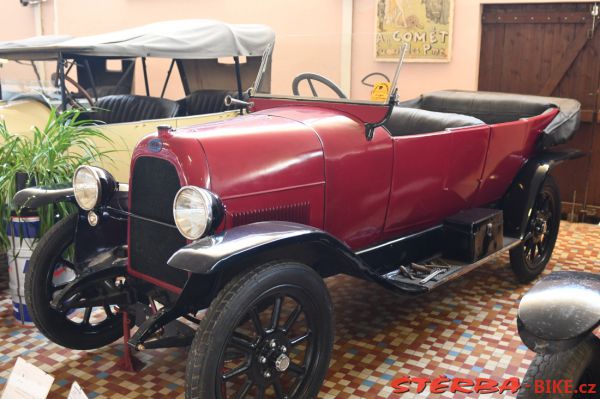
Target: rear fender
x: 519, y: 200
x: 560, y: 311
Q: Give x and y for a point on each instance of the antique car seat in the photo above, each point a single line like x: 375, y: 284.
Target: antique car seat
x: 490, y: 107
x: 109, y: 90
x: 207, y: 101
x: 408, y: 121
x: 122, y: 108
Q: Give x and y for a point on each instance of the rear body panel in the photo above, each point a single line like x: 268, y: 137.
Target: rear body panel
x: 511, y: 145
x: 435, y: 175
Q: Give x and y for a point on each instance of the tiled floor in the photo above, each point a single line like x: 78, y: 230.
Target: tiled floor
x: 465, y: 329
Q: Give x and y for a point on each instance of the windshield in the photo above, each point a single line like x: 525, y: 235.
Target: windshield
x: 321, y: 81
x: 19, y: 78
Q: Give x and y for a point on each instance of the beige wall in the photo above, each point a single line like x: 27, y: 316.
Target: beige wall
x: 308, y: 35
x: 306, y: 39
x: 16, y: 21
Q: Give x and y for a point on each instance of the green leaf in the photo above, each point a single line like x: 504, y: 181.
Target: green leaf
x: 49, y: 156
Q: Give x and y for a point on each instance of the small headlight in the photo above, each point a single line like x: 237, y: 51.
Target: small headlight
x: 196, y: 211
x: 87, y: 186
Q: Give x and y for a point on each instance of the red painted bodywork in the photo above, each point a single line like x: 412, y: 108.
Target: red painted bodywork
x: 361, y: 191
x: 366, y: 113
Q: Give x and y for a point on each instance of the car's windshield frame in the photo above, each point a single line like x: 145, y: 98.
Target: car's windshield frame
x: 267, y: 61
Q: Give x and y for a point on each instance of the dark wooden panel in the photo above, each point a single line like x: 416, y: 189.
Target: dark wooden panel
x: 568, y: 58
x: 524, y: 17
x: 546, y: 49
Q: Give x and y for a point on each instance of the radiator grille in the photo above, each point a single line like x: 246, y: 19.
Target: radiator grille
x: 298, y: 213
x: 154, y: 184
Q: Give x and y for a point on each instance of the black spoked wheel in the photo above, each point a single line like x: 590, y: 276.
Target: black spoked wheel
x: 530, y: 258
x: 267, y: 335
x: 50, y: 271
x: 580, y: 366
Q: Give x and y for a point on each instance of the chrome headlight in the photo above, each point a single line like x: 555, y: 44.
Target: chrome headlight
x: 196, y: 211
x: 92, y: 186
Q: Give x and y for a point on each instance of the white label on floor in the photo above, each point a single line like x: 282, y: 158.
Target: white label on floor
x: 76, y: 392
x: 27, y: 381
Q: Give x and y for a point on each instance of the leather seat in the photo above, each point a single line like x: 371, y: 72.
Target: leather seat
x: 205, y: 102
x: 130, y: 108
x: 490, y: 107
x: 408, y: 121
x: 110, y: 90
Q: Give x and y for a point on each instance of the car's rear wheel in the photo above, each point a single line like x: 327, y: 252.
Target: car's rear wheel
x: 530, y: 258
x: 50, y: 270
x: 268, y: 334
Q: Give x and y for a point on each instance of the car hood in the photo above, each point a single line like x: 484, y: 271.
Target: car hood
x: 254, y: 154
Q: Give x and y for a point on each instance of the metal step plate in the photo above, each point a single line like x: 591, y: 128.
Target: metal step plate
x: 429, y: 274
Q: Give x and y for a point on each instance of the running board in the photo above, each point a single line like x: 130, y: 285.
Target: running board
x: 422, y: 277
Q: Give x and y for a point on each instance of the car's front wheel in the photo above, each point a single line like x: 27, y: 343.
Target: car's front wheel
x: 579, y: 367
x: 268, y: 334
x: 50, y: 270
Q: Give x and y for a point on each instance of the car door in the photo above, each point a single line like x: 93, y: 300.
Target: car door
x: 434, y: 176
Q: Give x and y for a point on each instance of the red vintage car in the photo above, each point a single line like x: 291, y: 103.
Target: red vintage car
x: 244, y: 218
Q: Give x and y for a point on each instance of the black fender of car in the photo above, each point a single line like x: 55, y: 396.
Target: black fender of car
x: 519, y: 200
x: 35, y: 197
x: 560, y: 311
x: 254, y: 243
x: 109, y: 234
x: 214, y: 260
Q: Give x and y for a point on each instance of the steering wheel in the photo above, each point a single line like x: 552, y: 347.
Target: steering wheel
x: 384, y: 76
x: 309, y: 77
x: 70, y: 97
x: 82, y: 91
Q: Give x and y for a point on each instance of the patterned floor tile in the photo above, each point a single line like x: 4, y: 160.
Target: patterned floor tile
x: 464, y: 329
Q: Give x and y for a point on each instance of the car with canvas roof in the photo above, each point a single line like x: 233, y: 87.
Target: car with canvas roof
x: 204, y: 60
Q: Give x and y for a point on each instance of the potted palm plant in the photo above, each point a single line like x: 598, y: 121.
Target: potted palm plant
x: 45, y: 157
x: 48, y: 156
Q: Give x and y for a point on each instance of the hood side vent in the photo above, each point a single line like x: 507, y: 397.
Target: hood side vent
x: 298, y: 213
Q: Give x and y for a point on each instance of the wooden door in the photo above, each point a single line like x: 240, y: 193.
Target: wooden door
x: 551, y: 50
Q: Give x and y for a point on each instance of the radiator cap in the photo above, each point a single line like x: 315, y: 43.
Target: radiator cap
x: 165, y: 131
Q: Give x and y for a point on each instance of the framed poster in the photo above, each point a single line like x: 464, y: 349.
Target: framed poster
x: 425, y: 25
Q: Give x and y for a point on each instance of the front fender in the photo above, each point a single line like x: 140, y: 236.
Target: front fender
x: 35, y: 197
x: 560, y: 311
x: 520, y: 197
x: 111, y: 232
x: 276, y: 239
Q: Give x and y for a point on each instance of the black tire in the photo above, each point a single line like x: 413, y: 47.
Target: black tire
x: 224, y: 337
x: 529, y: 259
x: 581, y: 365
x: 63, y: 328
